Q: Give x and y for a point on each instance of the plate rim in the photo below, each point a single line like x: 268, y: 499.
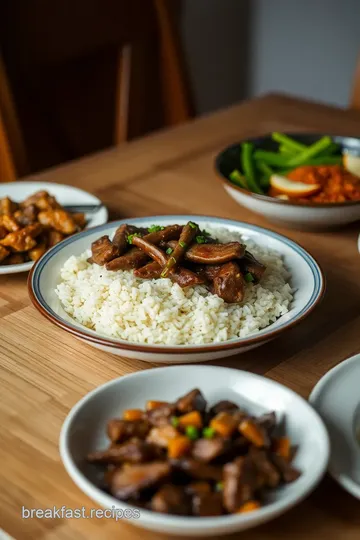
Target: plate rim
x: 343, y: 479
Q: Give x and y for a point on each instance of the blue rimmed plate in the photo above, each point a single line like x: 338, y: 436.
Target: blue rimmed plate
x: 307, y: 280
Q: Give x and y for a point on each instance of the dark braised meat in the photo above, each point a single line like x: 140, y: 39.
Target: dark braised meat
x: 208, y: 449
x: 150, y: 249
x: 207, y: 504
x: 249, y: 264
x: 103, y: 250
x: 215, y: 253
x: 182, y: 276
x: 135, y: 258
x: 240, y: 483
x: 130, y: 481
x: 182, y: 458
x: 193, y: 401
x: 186, y: 237
x: 229, y: 283
x: 197, y: 470
x: 121, y: 235
x: 223, y: 406
x: 170, y: 499
x: 133, y: 451
x: 121, y: 430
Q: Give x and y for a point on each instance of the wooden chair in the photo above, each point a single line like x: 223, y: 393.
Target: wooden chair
x: 355, y: 97
x: 44, y: 40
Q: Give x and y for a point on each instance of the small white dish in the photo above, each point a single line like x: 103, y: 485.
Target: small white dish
x: 84, y: 431
x: 66, y: 195
x: 306, y: 278
x: 336, y: 397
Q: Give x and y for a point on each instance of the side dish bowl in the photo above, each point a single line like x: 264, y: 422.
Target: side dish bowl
x: 289, y: 212
x: 65, y: 195
x: 307, y: 282
x: 84, y: 431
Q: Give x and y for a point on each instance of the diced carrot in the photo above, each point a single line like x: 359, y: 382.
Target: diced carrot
x: 150, y: 405
x: 252, y: 433
x: 249, y: 506
x: 224, y: 424
x: 282, y: 447
x: 191, y: 419
x: 133, y: 414
x: 178, y: 446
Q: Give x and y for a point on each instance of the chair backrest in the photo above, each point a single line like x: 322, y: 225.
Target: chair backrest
x: 355, y: 96
x: 56, y: 50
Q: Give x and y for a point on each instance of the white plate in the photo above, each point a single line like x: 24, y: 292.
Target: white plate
x: 18, y: 191
x: 84, y: 431
x: 336, y: 397
x: 306, y: 278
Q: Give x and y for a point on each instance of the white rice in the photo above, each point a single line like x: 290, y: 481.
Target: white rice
x: 119, y: 305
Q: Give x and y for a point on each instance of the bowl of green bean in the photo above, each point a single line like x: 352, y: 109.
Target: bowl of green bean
x: 305, y: 181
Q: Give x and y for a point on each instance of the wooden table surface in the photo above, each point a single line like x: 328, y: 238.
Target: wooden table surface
x: 44, y: 371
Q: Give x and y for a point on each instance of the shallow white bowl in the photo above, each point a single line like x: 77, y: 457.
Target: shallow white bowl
x: 307, y: 280
x: 336, y: 397
x: 84, y: 431
x: 18, y: 191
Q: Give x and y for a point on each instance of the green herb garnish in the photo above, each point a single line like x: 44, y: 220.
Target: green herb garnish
x: 219, y: 486
x: 182, y: 244
x: 131, y: 236
x: 192, y: 432
x: 155, y: 228
x: 192, y: 225
x: 200, y: 239
x: 169, y: 251
x: 174, y: 421
x: 249, y: 277
x: 208, y: 432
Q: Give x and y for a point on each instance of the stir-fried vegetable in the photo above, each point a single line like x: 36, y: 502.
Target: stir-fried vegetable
x: 186, y: 237
x: 249, y: 168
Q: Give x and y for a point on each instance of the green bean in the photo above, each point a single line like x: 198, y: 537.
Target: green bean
x: 271, y: 158
x: 295, y: 146
x: 333, y: 147
x: 325, y: 160
x: 310, y: 152
x: 248, y: 167
x: 237, y: 178
x: 267, y: 172
x: 286, y: 150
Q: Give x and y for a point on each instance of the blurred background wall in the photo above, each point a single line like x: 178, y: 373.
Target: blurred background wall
x: 242, y: 48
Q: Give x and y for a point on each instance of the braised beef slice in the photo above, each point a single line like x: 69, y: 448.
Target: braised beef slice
x: 122, y: 430
x: 171, y: 499
x: 288, y: 472
x: 209, y: 449
x: 132, y: 451
x: 207, y: 504
x: 229, y: 283
x: 129, y: 481
x: 136, y: 258
x: 240, y: 483
x: 103, y: 250
x: 192, y: 401
x: 152, y: 270
x: 215, y: 253
x: 249, y: 264
x: 197, y: 470
x: 161, y: 435
x: 182, y: 276
x: 153, y: 251
x: 160, y: 416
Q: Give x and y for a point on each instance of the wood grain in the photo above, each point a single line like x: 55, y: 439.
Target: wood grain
x: 169, y: 172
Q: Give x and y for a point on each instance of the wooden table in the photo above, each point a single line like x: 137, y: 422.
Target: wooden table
x: 44, y: 372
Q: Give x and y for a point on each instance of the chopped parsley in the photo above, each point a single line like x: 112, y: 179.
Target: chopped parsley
x: 219, y: 486
x: 192, y: 225
x: 200, y: 239
x: 169, y: 251
x: 174, y: 421
x: 131, y: 236
x: 249, y: 277
x: 155, y: 228
x: 182, y: 244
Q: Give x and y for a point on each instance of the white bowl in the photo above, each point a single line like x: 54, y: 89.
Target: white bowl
x: 66, y: 195
x: 337, y: 400
x: 84, y: 431
x: 307, y: 280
